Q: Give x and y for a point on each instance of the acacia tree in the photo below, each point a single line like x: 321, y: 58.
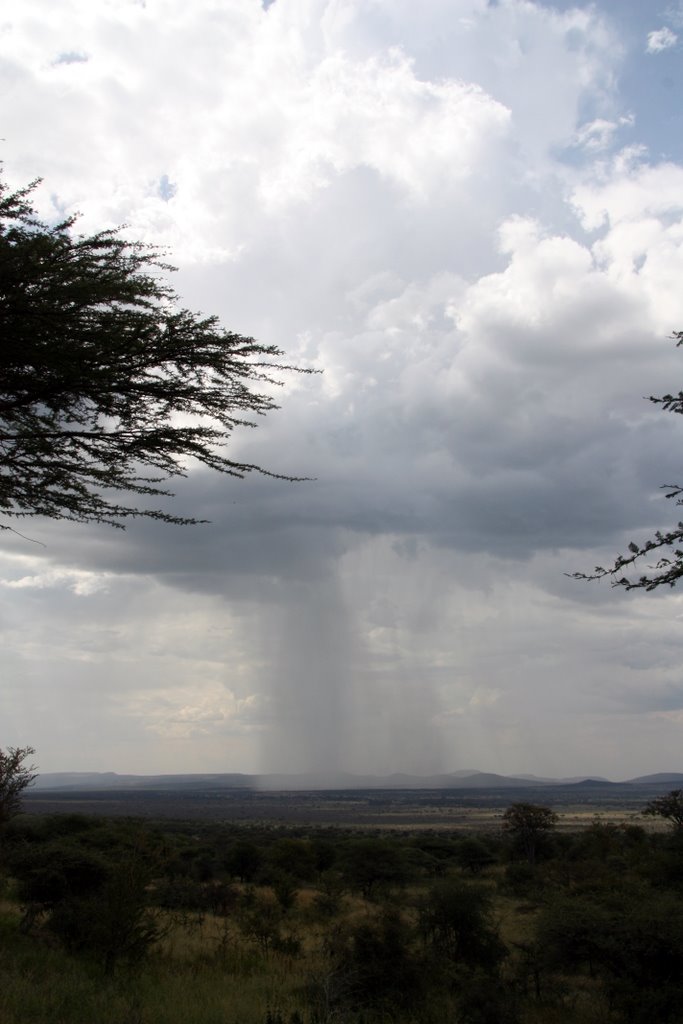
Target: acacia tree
x: 528, y: 823
x: 106, y: 385
x: 668, y: 546
x: 15, y: 777
x: 669, y: 807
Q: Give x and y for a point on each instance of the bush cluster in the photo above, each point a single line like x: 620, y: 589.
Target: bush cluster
x: 490, y: 929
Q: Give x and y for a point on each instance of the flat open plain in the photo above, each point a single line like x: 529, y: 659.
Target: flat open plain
x: 457, y: 810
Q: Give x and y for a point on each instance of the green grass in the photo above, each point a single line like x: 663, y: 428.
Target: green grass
x: 41, y: 984
x: 261, y: 964
x: 204, y: 971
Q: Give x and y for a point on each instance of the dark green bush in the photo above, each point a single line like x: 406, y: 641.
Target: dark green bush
x: 456, y: 921
x: 113, y: 924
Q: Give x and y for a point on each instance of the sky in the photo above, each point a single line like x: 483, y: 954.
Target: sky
x: 469, y: 216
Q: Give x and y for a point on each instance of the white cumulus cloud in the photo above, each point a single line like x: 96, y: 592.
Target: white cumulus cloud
x: 661, y: 39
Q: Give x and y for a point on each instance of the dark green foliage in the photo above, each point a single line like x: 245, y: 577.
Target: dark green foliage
x: 108, y: 386
x: 180, y: 893
x: 373, y: 865
x: 177, y: 893
x: 260, y: 919
x: 203, y: 866
x: 293, y: 857
x: 595, y: 933
x: 15, y: 777
x: 521, y: 878
x: 419, y: 864
x: 569, y: 931
x: 484, y: 998
x: 221, y: 898
x: 284, y: 888
x: 438, y: 852
x: 325, y: 854
x: 598, y: 842
x: 376, y: 965
x: 529, y: 824
x: 329, y: 896
x: 669, y: 807
x: 664, y: 866
x: 56, y: 871
x: 89, y: 885
x: 474, y: 855
x: 456, y: 920
x: 43, y: 828
x: 631, y: 939
x: 243, y: 861
x: 278, y: 1016
x: 112, y: 924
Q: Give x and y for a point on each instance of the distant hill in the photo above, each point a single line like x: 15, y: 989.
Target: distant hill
x: 111, y: 780
x: 670, y: 779
x: 78, y: 781
x: 594, y: 784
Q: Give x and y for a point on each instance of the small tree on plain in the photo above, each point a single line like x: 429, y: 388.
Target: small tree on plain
x: 669, y: 807
x: 15, y: 777
x: 528, y: 823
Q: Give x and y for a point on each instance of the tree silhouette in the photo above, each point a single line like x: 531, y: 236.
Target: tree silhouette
x: 106, y: 385
x: 528, y: 823
x: 667, y: 545
x: 15, y: 777
x: 669, y: 807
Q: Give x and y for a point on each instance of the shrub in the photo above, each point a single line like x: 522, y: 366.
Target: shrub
x: 455, y: 920
x: 375, y: 965
x: 112, y: 924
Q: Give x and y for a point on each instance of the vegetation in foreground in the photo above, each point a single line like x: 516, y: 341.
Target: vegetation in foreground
x: 129, y: 922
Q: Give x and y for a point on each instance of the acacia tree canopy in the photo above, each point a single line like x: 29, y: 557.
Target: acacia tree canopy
x: 106, y: 385
x: 668, y: 546
x: 669, y: 807
x: 528, y: 823
x: 15, y: 777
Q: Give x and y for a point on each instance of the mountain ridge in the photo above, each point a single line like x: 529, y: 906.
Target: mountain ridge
x: 463, y: 779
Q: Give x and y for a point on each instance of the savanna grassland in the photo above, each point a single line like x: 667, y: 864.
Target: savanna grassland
x: 467, y: 809
x: 122, y: 920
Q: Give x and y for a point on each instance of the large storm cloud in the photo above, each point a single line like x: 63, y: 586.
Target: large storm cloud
x: 451, y: 213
